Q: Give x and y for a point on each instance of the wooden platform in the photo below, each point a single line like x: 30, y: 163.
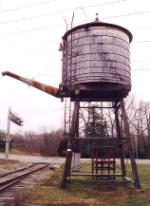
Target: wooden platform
x: 113, y: 181
x: 95, y: 175
x: 95, y: 161
x: 124, y: 180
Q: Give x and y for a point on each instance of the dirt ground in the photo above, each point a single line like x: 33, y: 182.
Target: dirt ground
x: 17, y: 161
x: 10, y: 165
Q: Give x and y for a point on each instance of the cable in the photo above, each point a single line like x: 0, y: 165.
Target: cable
x: 34, y: 53
x: 46, y: 75
x: 141, y: 42
x: 22, y: 7
x: 38, y: 42
x: 56, y: 51
x: 41, y: 100
x: 136, y: 13
x: 140, y: 28
x: 29, y: 43
x: 58, y: 12
x: 135, y: 62
x: 50, y: 65
x: 42, y: 28
x: 62, y: 25
x: 140, y: 69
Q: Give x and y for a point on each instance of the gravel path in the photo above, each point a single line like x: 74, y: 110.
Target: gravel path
x: 56, y: 160
x: 31, y: 158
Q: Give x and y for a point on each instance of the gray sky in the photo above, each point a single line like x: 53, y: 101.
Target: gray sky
x: 30, y: 34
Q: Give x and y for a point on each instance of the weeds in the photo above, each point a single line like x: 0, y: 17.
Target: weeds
x: 83, y: 191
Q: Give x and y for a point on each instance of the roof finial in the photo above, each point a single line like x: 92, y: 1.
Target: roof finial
x: 97, y: 18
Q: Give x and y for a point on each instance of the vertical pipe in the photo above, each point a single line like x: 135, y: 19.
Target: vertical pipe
x: 120, y: 142
x: 69, y: 148
x: 65, y: 105
x: 63, y: 59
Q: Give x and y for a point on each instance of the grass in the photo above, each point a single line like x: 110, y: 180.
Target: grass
x: 18, y: 152
x: 82, y: 191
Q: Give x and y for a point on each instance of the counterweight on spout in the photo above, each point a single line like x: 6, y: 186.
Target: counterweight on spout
x: 43, y: 87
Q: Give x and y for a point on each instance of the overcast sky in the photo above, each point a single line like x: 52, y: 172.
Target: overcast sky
x: 30, y: 34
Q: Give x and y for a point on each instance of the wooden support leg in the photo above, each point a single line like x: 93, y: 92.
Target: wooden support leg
x: 120, y: 143
x: 69, y: 148
x: 131, y: 151
x: 67, y: 165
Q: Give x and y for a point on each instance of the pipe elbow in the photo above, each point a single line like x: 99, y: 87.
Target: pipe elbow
x: 4, y: 73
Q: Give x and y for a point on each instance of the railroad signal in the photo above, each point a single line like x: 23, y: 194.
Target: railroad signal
x: 14, y: 117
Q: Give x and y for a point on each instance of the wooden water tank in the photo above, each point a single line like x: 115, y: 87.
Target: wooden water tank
x: 96, y: 57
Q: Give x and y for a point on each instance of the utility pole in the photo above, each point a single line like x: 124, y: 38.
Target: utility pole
x: 15, y: 119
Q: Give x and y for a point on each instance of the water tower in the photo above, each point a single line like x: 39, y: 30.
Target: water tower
x: 95, y: 68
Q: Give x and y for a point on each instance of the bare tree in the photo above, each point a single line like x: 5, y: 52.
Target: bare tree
x: 44, y: 143
x: 138, y: 113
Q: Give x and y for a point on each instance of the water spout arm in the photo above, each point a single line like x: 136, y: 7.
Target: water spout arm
x: 43, y: 87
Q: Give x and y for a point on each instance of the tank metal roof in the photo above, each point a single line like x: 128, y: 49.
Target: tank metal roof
x: 99, y: 24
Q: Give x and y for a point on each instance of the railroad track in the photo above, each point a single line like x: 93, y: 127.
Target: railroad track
x: 12, y: 182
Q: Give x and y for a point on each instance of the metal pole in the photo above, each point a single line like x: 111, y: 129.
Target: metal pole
x: 7, y: 137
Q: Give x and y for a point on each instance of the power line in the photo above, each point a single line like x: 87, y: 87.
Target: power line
x: 140, y: 69
x: 140, y: 42
x: 50, y: 64
x: 136, y: 13
x: 62, y: 25
x: 56, y: 51
x: 29, y: 43
x: 104, y: 4
x: 51, y: 1
x: 43, y: 52
x: 55, y: 26
x: 29, y: 30
x: 134, y: 62
x: 41, y: 100
x: 26, y: 54
x: 45, y: 41
x: 46, y: 75
x: 58, y: 12
x: 141, y: 28
x: 22, y: 7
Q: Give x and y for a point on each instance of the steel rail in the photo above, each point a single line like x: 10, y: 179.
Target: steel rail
x: 9, y: 182
x: 9, y: 185
x: 15, y: 171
